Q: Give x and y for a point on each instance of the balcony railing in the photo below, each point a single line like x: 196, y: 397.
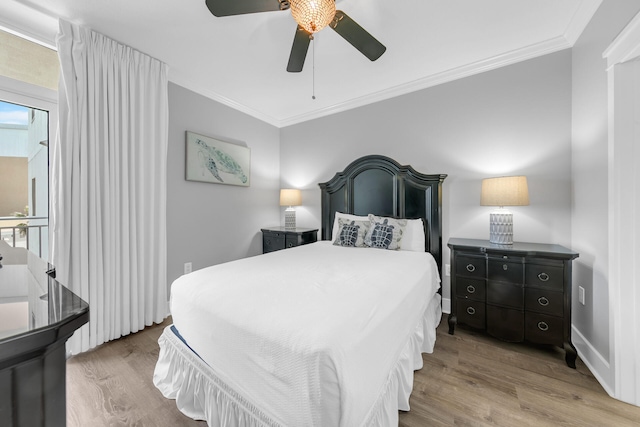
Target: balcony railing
x: 22, y: 234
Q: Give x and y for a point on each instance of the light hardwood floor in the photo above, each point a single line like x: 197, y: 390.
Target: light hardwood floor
x: 471, y: 379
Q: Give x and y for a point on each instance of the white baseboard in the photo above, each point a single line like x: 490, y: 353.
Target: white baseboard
x: 597, y: 364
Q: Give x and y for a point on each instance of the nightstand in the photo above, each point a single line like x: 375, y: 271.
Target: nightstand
x: 519, y: 292
x: 276, y: 238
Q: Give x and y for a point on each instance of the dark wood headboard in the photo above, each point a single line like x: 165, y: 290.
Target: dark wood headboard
x: 381, y: 186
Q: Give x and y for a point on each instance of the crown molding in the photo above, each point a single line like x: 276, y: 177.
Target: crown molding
x: 581, y: 19
x: 498, y: 61
x: 30, y: 22
x: 626, y: 45
x: 28, y: 35
x: 181, y: 80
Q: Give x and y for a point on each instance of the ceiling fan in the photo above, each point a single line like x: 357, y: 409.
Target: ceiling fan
x: 311, y: 16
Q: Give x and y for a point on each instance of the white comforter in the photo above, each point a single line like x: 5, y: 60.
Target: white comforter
x: 311, y: 334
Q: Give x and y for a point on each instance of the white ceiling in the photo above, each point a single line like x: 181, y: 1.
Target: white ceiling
x: 241, y: 61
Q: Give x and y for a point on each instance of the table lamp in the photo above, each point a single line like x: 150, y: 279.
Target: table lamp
x: 503, y: 191
x: 290, y: 197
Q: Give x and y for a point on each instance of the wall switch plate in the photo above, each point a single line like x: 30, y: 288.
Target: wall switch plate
x: 447, y: 269
x: 187, y: 267
x: 581, y: 295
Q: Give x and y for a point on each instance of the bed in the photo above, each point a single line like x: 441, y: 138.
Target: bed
x: 324, y: 334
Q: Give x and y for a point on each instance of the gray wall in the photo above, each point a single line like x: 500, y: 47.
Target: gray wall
x: 589, y: 218
x: 510, y: 121
x: 209, y: 224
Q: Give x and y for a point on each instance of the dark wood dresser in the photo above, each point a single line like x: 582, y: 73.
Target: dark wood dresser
x: 519, y: 292
x: 276, y: 238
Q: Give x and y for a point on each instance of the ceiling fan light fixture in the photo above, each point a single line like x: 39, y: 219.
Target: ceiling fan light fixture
x: 313, y: 15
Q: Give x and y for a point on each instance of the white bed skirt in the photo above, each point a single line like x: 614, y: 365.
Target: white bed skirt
x: 181, y: 375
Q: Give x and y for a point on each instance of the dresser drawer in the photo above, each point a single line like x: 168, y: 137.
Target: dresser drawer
x: 471, y: 266
x: 543, y: 328
x: 544, y: 301
x: 474, y: 289
x: 292, y: 240
x: 273, y: 242
x: 471, y: 313
x: 505, y: 323
x: 506, y: 270
x: 547, y: 275
x: 274, y: 235
x: 505, y: 294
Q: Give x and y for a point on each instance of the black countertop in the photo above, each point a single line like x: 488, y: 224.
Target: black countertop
x: 525, y: 248
x: 35, y: 309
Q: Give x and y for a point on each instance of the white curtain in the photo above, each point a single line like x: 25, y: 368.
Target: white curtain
x: 108, y: 197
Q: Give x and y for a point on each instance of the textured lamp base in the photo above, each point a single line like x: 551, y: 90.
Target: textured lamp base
x: 501, y: 227
x: 289, y: 219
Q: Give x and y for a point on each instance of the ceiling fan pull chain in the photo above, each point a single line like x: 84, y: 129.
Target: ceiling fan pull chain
x: 313, y: 69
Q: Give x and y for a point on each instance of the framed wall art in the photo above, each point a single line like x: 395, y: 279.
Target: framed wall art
x: 215, y: 161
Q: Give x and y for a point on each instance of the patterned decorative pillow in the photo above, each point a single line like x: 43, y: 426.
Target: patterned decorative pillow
x: 385, y: 233
x: 346, y: 217
x: 351, y: 233
x: 348, y: 235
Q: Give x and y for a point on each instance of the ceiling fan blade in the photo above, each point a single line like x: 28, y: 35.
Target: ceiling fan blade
x: 299, y: 50
x: 357, y: 36
x: 240, y: 7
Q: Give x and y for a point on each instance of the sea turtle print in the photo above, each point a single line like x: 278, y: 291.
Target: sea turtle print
x: 349, y: 234
x: 211, y: 166
x: 218, y: 161
x: 381, y: 235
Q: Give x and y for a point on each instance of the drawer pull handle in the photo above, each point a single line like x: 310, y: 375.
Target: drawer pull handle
x: 543, y: 277
x: 290, y: 245
x: 471, y: 310
x: 471, y: 268
x: 471, y: 289
x: 543, y: 301
x: 543, y: 326
x: 505, y: 267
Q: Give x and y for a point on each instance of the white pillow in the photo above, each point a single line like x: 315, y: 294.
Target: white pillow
x: 413, y: 237
x: 347, y: 217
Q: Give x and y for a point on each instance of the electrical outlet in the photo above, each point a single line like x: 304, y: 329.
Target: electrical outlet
x: 581, y: 295
x: 187, y: 267
x: 447, y: 269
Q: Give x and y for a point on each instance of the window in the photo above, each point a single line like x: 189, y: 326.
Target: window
x: 24, y: 172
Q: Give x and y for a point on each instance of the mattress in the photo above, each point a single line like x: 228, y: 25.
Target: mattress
x: 317, y: 335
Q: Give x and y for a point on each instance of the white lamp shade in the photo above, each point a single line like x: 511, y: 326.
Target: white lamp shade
x: 505, y: 191
x: 290, y: 197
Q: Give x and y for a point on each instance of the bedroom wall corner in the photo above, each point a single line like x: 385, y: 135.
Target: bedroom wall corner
x: 208, y: 224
